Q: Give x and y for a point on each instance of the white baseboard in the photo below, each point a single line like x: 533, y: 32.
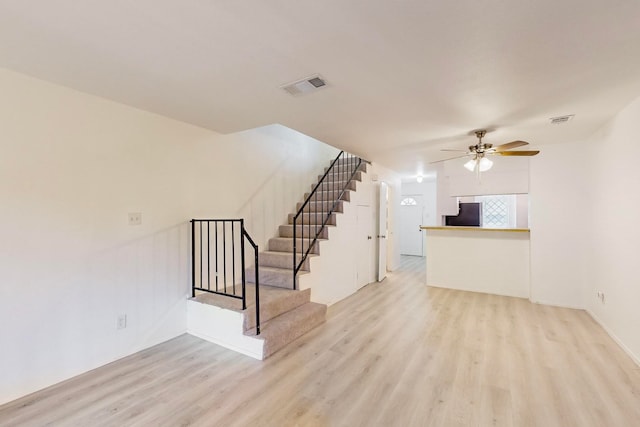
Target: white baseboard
x: 552, y: 304
x: 613, y: 336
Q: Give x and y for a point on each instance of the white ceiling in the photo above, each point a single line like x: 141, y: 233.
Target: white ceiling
x: 407, y: 77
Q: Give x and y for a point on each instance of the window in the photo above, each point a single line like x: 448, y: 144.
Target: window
x: 498, y: 211
x: 408, y: 201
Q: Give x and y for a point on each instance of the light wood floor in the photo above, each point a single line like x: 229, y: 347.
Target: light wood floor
x: 395, y: 354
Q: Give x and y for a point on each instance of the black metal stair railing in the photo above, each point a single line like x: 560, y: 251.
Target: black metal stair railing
x: 325, y: 197
x: 218, y: 260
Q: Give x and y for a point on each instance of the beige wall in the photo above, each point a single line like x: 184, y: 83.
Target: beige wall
x: 611, y: 186
x: 584, y: 226
x: 71, y: 167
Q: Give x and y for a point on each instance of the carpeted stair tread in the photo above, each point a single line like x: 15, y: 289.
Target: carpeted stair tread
x: 273, y: 303
x: 282, y: 259
x: 332, y: 195
x: 286, y: 230
x: 335, y: 185
x: 322, y: 206
x: 343, y: 176
x: 313, y: 218
x: 343, y: 166
x: 271, y: 276
x: 281, y: 330
x: 285, y: 244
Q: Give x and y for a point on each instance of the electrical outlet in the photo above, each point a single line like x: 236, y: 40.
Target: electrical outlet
x: 135, y: 218
x: 600, y: 296
x: 122, y: 321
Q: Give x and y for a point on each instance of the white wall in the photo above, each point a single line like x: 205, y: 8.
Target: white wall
x: 522, y: 211
x: 575, y: 256
x: 71, y: 167
x: 258, y: 175
x: 559, y: 233
x: 507, y: 176
x: 613, y: 229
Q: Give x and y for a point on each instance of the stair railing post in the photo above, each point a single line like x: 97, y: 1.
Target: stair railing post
x: 257, y: 293
x: 295, y: 219
x: 244, y: 293
x: 193, y: 259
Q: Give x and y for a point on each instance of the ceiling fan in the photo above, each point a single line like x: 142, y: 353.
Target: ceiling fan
x: 479, y: 162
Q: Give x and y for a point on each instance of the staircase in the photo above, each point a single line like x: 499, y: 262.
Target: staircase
x: 276, y: 263
x: 285, y: 313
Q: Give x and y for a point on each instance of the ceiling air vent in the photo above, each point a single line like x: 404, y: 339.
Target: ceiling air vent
x: 561, y: 119
x: 301, y: 87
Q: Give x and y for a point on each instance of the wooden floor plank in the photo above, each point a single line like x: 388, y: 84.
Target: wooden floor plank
x: 395, y: 353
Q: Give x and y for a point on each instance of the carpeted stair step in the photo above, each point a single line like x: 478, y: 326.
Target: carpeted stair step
x: 285, y: 244
x: 343, y: 167
x: 309, y: 230
x: 322, y: 206
x: 273, y: 302
x: 313, y: 218
x: 281, y: 330
x: 282, y: 260
x: 344, y: 176
x: 335, y: 185
x: 272, y: 276
x: 331, y: 195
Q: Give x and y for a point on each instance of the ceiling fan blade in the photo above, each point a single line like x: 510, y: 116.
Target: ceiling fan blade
x: 450, y: 158
x: 516, y: 153
x: 509, y: 146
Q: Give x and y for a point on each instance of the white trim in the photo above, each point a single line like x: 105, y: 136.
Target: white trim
x: 618, y: 341
x: 552, y: 304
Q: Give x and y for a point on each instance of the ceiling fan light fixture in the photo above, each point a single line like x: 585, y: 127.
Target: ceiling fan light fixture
x: 419, y: 178
x: 485, y: 164
x: 470, y: 165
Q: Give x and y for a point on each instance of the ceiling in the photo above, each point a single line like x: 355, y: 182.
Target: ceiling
x: 405, y: 77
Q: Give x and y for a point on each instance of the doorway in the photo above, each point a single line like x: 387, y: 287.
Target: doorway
x: 411, y: 218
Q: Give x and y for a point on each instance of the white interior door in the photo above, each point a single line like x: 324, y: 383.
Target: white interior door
x: 364, y: 245
x: 382, y: 231
x: 411, y: 238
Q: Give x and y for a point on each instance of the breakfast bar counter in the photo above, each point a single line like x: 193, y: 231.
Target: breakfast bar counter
x: 489, y: 260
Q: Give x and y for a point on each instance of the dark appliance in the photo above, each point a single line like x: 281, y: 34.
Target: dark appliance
x: 469, y: 215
